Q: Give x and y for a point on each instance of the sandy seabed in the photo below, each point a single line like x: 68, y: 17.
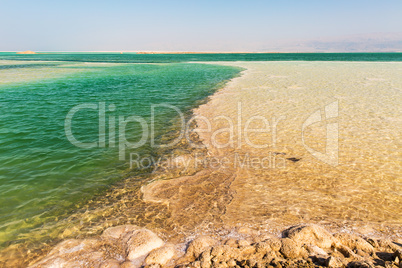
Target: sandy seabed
x: 287, y: 143
x: 270, y: 165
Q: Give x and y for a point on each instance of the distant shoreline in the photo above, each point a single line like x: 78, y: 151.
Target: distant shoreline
x: 210, y: 52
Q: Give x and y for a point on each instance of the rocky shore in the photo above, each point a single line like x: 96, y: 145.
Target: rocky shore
x: 304, y: 245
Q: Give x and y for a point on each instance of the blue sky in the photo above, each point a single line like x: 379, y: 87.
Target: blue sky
x: 206, y: 25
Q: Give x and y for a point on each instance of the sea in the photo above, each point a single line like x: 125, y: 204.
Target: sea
x: 71, y: 123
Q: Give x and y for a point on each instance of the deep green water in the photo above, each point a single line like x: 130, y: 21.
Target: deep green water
x: 43, y: 175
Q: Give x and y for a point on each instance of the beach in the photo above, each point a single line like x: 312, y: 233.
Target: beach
x: 286, y: 183
x: 287, y: 143
x: 201, y: 134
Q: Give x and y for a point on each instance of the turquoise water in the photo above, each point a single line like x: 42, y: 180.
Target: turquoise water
x: 43, y: 177
x: 168, y: 58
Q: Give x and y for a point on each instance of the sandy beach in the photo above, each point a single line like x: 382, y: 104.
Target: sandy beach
x: 287, y: 183
x: 287, y: 143
x: 201, y: 134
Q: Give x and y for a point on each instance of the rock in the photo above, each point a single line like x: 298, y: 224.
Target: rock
x: 231, y: 242
x: 160, y: 255
x: 251, y: 262
x: 360, y: 264
x: 117, y: 244
x: 141, y: 242
x: 314, y: 250
x: 271, y: 244
x: 237, y: 243
x: 346, y: 251
x: 75, y: 246
x: 222, y: 253
x: 373, y: 242
x: 274, y: 243
x: 387, y: 245
x: 354, y: 242
x: 263, y: 248
x: 56, y: 262
x: 276, y: 263
x: 205, y: 259
x: 128, y: 264
x: 397, y: 256
x: 110, y: 264
x: 118, y: 232
x: 243, y: 242
x: 72, y: 252
x: 337, y: 254
x: 290, y: 249
x: 362, y: 253
x: 152, y: 266
x: 231, y: 263
x: 96, y: 257
x: 198, y: 245
x: 333, y: 262
x: 269, y: 256
x: 306, y: 246
x: 197, y: 264
x: 247, y: 250
x: 310, y: 234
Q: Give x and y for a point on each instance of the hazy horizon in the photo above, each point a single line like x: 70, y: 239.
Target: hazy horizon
x: 207, y: 26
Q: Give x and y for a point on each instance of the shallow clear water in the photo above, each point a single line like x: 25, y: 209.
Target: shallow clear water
x: 45, y: 179
x: 42, y: 175
x: 359, y: 111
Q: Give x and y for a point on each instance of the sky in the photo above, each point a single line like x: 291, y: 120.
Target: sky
x: 186, y: 25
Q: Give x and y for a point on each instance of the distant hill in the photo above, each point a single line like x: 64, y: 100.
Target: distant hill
x: 374, y: 42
